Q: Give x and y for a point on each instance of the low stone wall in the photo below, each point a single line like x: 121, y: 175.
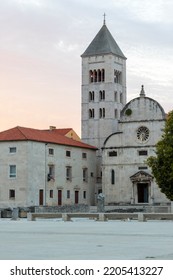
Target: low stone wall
x: 82, y: 208
x: 141, y: 217
x: 135, y: 209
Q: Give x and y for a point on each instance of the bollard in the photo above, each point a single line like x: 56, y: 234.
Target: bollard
x: 102, y: 217
x: 65, y: 217
x: 141, y: 217
x: 30, y: 217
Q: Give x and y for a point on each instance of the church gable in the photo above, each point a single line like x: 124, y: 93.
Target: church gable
x: 142, y: 108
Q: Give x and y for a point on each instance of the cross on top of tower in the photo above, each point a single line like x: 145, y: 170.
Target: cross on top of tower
x: 104, y: 19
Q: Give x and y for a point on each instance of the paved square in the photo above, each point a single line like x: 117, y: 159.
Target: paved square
x: 85, y: 239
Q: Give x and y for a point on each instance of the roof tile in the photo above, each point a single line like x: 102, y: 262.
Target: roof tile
x: 47, y: 136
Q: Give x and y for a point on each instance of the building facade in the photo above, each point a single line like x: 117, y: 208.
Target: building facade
x: 125, y: 134
x: 45, y: 168
x: 126, y: 177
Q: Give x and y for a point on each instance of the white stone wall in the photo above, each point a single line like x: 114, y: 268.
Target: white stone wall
x: 145, y: 112
x: 19, y: 184
x: 126, y: 164
x: 32, y: 160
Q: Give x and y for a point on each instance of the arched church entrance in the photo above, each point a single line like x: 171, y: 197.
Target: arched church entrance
x: 141, y: 187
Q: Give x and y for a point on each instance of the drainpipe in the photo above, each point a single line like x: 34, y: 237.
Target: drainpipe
x: 45, y: 174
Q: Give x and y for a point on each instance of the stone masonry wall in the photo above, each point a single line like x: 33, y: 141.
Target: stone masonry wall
x: 63, y: 209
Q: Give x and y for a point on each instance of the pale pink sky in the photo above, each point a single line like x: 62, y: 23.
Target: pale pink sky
x: 40, y: 46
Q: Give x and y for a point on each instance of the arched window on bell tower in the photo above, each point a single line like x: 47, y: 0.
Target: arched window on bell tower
x: 91, y: 95
x: 91, y: 76
x: 91, y: 113
x: 103, y: 75
x: 99, y: 75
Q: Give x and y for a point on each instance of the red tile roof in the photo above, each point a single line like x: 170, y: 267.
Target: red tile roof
x: 46, y: 136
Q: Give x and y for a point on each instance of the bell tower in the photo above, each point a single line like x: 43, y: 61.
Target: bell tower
x: 103, y: 89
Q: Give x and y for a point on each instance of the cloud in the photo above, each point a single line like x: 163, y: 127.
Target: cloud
x: 41, y: 42
x: 30, y: 3
x: 65, y: 48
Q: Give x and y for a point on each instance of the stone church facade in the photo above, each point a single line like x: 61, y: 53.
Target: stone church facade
x: 124, y: 133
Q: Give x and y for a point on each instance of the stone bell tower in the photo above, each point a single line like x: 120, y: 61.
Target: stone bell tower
x: 103, y: 90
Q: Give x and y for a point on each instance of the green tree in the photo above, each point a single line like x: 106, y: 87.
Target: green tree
x: 162, y: 164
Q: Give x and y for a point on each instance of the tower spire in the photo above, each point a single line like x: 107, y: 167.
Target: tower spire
x: 104, y: 19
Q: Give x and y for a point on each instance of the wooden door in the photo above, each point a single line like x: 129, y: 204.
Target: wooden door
x: 76, y: 197
x: 59, y: 197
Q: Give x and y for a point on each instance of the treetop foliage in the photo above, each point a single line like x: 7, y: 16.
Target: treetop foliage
x: 162, y: 164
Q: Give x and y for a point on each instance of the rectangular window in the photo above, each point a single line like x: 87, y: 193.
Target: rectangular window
x: 142, y: 167
x: 84, y: 155
x: 51, y: 194
x: 92, y: 174
x: 12, y: 170
x: 51, y: 173
x: 68, y: 173
x: 143, y: 153
x: 68, y: 194
x: 51, y: 151
x: 112, y: 176
x: 85, y: 174
x: 68, y: 154
x: 12, y: 194
x: 112, y: 154
x: 12, y: 150
x: 84, y: 194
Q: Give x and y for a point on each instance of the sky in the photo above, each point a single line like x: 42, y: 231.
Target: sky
x: 41, y: 42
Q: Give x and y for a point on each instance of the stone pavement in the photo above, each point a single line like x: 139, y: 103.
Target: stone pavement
x: 85, y: 239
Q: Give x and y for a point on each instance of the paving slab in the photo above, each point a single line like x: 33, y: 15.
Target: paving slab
x: 84, y: 239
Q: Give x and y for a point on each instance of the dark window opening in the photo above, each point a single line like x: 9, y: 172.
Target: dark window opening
x: 51, y: 173
x: 68, y: 173
x: 51, y: 151
x: 91, y: 113
x: 12, y: 150
x: 84, y: 194
x: 113, y: 154
x: 68, y: 194
x: 51, y: 194
x: 68, y: 153
x: 84, y: 155
x: 112, y: 177
x: 12, y: 194
x: 96, y: 75
x: 143, y: 153
x: 142, y: 167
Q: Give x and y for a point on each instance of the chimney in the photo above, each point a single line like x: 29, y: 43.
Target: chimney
x: 52, y: 127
